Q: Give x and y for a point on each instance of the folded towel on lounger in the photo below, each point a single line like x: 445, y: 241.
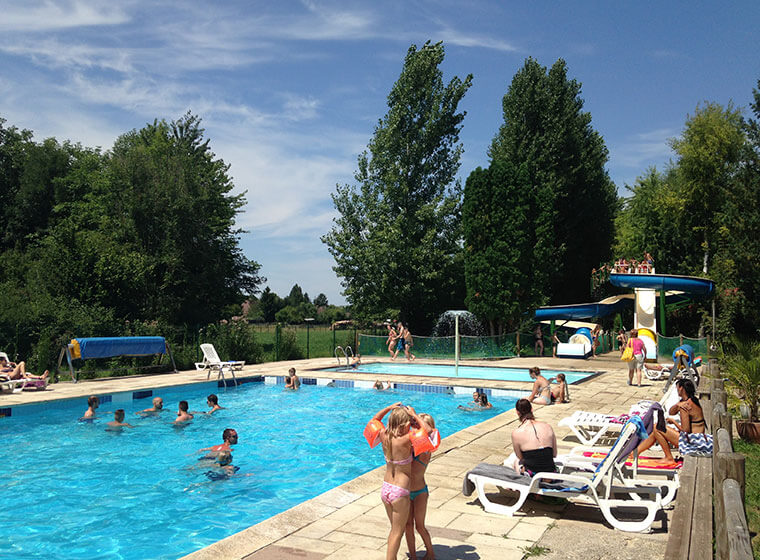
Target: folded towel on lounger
x: 500, y: 472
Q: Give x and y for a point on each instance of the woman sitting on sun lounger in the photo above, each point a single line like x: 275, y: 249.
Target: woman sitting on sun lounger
x: 534, y: 443
x: 689, y: 435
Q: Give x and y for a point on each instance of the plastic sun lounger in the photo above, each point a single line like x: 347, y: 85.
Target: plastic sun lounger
x: 599, y: 488
x: 590, y: 427
x: 211, y: 362
x: 582, y: 458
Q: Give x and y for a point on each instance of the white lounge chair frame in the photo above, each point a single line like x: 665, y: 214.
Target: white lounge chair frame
x: 212, y: 363
x: 576, y: 460
x: 598, y: 489
x: 590, y: 427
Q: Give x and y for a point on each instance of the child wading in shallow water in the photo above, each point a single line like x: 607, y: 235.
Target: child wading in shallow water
x: 419, y: 498
x: 397, y: 448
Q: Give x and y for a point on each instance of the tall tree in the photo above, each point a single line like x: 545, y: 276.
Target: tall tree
x: 709, y: 151
x: 499, y: 242
x: 546, y: 131
x: 395, y: 240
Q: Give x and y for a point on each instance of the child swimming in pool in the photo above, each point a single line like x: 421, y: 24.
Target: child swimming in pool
x: 118, y: 422
x: 419, y: 498
x: 397, y: 448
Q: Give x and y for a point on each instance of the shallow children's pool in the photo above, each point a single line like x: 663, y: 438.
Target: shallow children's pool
x: 464, y: 372
x: 73, y: 490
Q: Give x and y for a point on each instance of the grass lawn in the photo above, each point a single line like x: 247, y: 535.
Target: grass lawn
x: 751, y: 452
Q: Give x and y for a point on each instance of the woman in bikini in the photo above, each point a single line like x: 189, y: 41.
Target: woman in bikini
x: 391, y: 342
x: 541, y: 393
x: 419, y: 499
x: 397, y: 448
x: 682, y: 437
x: 533, y: 442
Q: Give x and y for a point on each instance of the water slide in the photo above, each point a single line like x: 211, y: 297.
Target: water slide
x: 675, y: 289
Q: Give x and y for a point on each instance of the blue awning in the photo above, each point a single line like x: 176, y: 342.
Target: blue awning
x: 109, y: 347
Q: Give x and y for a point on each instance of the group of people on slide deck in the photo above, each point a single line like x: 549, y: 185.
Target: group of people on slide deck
x: 399, y: 338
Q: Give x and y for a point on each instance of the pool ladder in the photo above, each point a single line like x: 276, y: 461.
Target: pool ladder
x: 347, y: 352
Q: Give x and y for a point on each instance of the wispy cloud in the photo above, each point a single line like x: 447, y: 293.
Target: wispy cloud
x: 45, y: 15
x: 645, y: 148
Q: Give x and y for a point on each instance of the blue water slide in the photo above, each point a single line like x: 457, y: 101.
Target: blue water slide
x: 701, y: 287
x: 580, y: 311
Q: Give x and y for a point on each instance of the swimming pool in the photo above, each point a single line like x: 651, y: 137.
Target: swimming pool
x: 75, y: 490
x: 465, y: 372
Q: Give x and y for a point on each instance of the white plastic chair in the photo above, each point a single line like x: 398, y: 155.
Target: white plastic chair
x: 211, y: 362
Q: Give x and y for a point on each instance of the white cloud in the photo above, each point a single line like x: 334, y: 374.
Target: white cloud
x: 45, y: 15
x: 646, y: 148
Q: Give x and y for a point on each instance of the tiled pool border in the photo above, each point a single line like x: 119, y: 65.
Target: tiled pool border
x: 72, y: 403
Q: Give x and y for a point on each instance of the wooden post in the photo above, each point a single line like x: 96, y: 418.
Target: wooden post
x: 717, y: 384
x: 738, y: 544
x: 726, y: 465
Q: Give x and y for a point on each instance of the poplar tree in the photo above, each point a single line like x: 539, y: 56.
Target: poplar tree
x: 548, y: 135
x: 396, y: 237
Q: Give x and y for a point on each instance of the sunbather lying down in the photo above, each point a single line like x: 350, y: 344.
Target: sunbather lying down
x: 11, y: 370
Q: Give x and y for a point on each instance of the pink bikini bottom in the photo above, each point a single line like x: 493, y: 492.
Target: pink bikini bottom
x: 389, y: 493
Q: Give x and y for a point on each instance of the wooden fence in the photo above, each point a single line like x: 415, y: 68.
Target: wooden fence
x: 710, y: 501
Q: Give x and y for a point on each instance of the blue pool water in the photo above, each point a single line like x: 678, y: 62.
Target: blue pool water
x: 465, y: 372
x: 73, y: 490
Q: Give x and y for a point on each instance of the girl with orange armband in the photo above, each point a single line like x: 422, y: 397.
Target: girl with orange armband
x: 397, y: 448
x: 419, y: 497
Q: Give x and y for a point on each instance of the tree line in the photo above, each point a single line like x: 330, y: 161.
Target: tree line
x: 138, y: 239
x: 409, y: 241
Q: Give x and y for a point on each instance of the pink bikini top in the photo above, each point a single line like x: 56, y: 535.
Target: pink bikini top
x: 406, y: 461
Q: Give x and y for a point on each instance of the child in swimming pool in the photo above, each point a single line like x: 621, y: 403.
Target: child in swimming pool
x: 419, y: 498
x: 397, y: 448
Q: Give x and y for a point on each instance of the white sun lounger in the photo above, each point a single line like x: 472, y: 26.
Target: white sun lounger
x: 590, y: 427
x: 212, y: 363
x: 598, y: 488
x: 667, y: 481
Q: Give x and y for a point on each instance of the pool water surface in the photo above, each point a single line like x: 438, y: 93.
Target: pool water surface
x: 73, y: 490
x: 464, y: 372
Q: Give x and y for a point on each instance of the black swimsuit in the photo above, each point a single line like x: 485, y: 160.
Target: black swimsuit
x: 538, y: 460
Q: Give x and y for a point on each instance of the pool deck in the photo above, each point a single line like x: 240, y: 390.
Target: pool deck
x: 349, y: 521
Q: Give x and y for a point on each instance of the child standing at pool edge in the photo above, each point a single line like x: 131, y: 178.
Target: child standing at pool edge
x: 419, y: 498
x: 397, y: 448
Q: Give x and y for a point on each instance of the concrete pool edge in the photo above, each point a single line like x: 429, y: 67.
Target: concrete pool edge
x: 359, y: 489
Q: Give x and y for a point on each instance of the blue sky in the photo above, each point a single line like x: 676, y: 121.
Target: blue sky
x: 290, y: 92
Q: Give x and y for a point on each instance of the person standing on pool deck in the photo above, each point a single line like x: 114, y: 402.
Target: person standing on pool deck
x: 397, y: 448
x: 419, y: 498
x: 637, y: 345
x: 400, y: 342
x: 538, y: 335
x: 183, y: 416
x: 408, y: 343
x: 391, y: 342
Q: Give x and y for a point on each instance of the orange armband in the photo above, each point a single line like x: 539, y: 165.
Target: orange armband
x: 372, y: 432
x: 422, y: 442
